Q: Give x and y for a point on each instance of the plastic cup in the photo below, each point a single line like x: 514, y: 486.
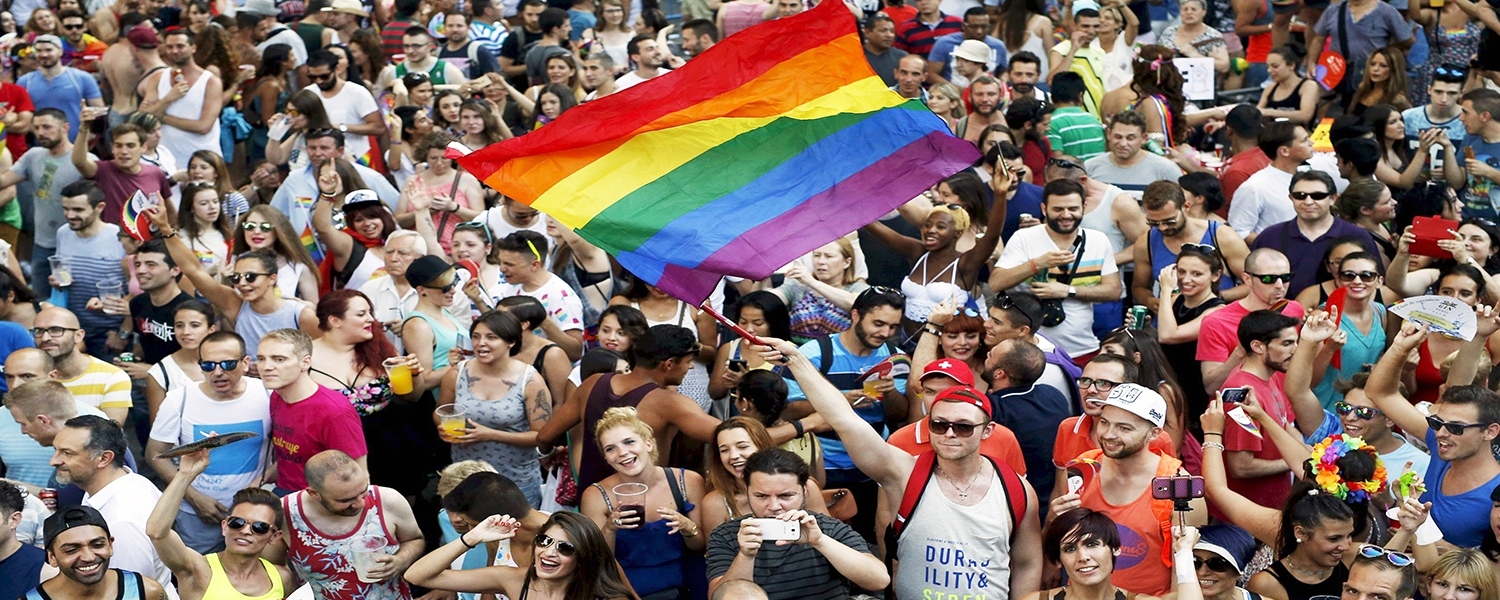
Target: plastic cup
x: 450, y: 418
x: 363, y: 553
x: 630, y: 497
x: 110, y: 290
x: 871, y: 389
x: 60, y: 270
x: 400, y: 375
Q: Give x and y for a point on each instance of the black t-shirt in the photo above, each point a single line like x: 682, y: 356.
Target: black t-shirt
x: 484, y: 60
x: 513, y: 45
x: 154, y: 324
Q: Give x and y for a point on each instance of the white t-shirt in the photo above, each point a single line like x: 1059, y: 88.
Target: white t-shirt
x: 564, y: 306
x: 125, y: 504
x: 1075, y: 334
x: 188, y: 415
x: 628, y: 80
x: 1263, y: 200
x: 350, y: 107
x: 499, y: 227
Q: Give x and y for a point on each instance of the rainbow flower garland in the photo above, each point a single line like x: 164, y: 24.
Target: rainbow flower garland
x: 1326, y: 455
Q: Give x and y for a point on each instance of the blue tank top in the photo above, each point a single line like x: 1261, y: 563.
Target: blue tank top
x: 131, y: 587
x: 651, y: 556
x: 23, y: 571
x: 1161, y: 255
x: 1266, y: 17
x: 444, y: 338
x: 1464, y: 518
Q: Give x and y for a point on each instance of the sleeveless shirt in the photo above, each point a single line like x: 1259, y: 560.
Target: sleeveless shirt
x: 130, y: 587
x: 220, y: 588
x: 252, y: 325
x: 184, y: 143
x: 952, y: 551
x: 1328, y: 589
x: 592, y: 467
x: 324, y: 561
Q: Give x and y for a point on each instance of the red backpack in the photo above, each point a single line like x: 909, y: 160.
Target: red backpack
x: 916, y: 484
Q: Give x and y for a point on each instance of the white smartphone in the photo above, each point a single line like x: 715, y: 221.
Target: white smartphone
x: 776, y: 529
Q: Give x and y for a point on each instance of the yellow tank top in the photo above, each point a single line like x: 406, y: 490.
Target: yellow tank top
x: 219, y: 587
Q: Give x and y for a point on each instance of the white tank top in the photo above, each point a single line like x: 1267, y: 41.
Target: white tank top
x: 182, y: 143
x: 952, y: 551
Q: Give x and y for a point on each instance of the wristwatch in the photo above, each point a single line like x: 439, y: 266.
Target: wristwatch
x: 344, y: 128
x: 1072, y: 292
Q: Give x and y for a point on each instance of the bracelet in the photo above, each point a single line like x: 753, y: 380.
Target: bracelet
x: 1213, y: 433
x: 1032, y: 262
x: 169, y: 235
x: 1216, y: 445
x: 798, y: 426
x: 465, y: 542
x: 327, y: 197
x: 932, y: 330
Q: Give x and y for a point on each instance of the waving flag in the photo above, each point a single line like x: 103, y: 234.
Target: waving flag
x: 768, y: 145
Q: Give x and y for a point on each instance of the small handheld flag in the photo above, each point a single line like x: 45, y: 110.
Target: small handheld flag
x: 134, y: 219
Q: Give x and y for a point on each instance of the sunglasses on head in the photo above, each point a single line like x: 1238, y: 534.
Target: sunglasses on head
x: 543, y: 540
x: 1365, y: 276
x: 1437, y: 424
x: 1066, y: 164
x: 1003, y: 302
x: 963, y: 430
x: 1451, y: 71
x: 1269, y: 279
x: 879, y: 289
x: 248, y: 277
x: 1313, y: 195
x: 1397, y: 558
x: 1216, y: 564
x: 472, y: 226
x: 209, y: 366
x: 248, y: 226
x: 1200, y: 248
x: 256, y: 527
x: 1365, y: 413
x: 947, y: 205
x: 964, y: 310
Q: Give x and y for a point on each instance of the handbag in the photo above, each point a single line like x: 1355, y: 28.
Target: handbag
x: 1052, y: 310
x: 1335, y: 65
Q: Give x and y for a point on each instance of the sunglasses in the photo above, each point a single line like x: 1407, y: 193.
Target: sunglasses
x: 1397, y: 558
x: 248, y: 277
x: 292, y: 112
x: 256, y: 527
x: 1164, y: 222
x: 472, y: 226
x: 1003, y: 302
x: 1447, y: 71
x: 210, y: 366
x: 323, y: 77
x: 1454, y: 428
x: 948, y: 205
x: 1365, y: 276
x: 252, y: 226
x: 72, y: 27
x: 1216, y: 564
x: 543, y: 540
x: 1269, y: 279
x: 963, y: 430
x: 1313, y: 195
x: 1066, y: 164
x: 966, y: 311
x: 1103, y: 384
x: 444, y: 289
x: 1200, y: 248
x: 1365, y: 413
x: 879, y: 289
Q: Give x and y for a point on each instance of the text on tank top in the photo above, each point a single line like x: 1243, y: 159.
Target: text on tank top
x: 1139, y: 567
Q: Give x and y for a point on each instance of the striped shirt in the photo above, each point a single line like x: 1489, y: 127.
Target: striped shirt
x: 390, y: 36
x: 91, y: 261
x: 916, y: 37
x: 793, y: 571
x: 102, y: 385
x: 1076, y: 133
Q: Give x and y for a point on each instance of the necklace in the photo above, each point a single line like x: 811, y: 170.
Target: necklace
x: 963, y: 492
x: 1320, y: 573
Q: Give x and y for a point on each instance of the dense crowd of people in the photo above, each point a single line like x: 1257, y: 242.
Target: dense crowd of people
x: 1152, y: 336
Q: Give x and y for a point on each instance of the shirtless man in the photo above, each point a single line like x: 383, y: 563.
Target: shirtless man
x: 124, y: 65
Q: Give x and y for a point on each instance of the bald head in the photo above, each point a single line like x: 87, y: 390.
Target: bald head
x: 27, y: 365
x: 329, y: 464
x: 56, y: 316
x: 740, y: 589
x: 1264, y: 259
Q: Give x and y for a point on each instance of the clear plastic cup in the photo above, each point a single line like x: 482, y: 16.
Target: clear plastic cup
x: 363, y: 553
x: 630, y: 498
x: 110, y: 290
x: 61, y: 270
x: 451, y: 419
x: 400, y: 374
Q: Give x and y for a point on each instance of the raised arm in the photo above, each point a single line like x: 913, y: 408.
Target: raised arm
x: 1382, y: 388
x: 977, y: 257
x: 217, y: 293
x: 903, y: 245
x: 1263, y: 523
x: 330, y: 188
x: 1292, y: 447
x: 190, y: 567
x: 85, y: 165
x: 1466, y: 365
x: 1300, y: 376
x: 432, y: 571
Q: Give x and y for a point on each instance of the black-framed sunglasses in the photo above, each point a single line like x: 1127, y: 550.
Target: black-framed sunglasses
x: 1364, y: 413
x: 74, y: 27
x: 1216, y: 564
x: 1104, y: 385
x: 1313, y: 195
x: 1437, y: 424
x: 248, y: 277
x: 947, y: 205
x: 1200, y: 248
x: 1066, y: 164
x: 210, y: 366
x: 1003, y: 302
x: 879, y: 289
x: 1270, y: 279
x: 256, y: 527
x: 1364, y: 276
x: 248, y: 226
x: 444, y: 289
x: 1399, y: 559
x: 963, y: 430
x: 543, y: 540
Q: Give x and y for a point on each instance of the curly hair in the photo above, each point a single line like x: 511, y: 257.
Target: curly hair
x: 1155, y: 75
x: 215, y: 50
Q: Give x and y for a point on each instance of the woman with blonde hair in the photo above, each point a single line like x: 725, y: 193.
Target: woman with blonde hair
x: 42, y: 22
x: 1462, y: 573
x: 1384, y: 83
x: 820, y: 297
x: 947, y: 102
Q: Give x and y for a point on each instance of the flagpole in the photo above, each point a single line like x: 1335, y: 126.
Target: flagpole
x: 707, y: 307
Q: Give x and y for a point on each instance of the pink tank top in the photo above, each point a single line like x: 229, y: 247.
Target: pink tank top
x: 742, y: 15
x: 444, y: 221
x: 324, y: 561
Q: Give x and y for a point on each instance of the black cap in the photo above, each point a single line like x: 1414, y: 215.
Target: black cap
x: 1244, y: 121
x: 666, y: 342
x: 426, y: 269
x: 68, y: 518
x: 1348, y: 126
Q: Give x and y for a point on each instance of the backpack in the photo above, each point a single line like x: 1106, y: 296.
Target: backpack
x: 825, y: 348
x: 916, y: 485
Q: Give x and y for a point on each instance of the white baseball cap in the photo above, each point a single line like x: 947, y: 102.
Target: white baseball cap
x: 1140, y: 401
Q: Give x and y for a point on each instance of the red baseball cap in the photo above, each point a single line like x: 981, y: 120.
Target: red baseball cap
x: 956, y: 369
x: 967, y: 395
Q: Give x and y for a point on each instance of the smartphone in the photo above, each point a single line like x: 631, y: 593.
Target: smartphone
x: 738, y: 366
x: 1177, y: 488
x: 1234, y: 395
x: 773, y: 530
x: 1075, y: 480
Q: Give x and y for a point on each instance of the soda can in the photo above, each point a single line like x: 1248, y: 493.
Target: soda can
x: 1041, y: 276
x: 48, y: 496
x: 127, y: 357
x: 1139, y: 314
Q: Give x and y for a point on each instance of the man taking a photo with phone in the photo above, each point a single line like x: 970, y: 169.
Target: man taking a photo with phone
x: 1131, y: 418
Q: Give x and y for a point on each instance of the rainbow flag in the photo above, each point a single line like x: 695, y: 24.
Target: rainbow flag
x: 772, y: 143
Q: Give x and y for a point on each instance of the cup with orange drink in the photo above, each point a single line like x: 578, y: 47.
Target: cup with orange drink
x: 451, y: 421
x: 399, y: 370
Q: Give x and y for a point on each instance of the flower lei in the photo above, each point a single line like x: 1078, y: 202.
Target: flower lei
x: 1334, y: 447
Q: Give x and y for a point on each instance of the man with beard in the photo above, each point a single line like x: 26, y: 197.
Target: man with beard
x: 1171, y: 228
x: 55, y: 86
x: 92, y: 252
x: 350, y: 107
x: 340, y: 504
x: 1130, y: 418
x: 1079, y: 263
x: 151, y: 313
x: 80, y: 49
x: 1077, y: 435
x: 698, y: 36
x: 90, y: 453
x: 1015, y: 316
x: 306, y: 418
x: 1256, y: 469
x: 253, y: 522
x: 647, y: 58
x: 186, y: 97
x: 966, y: 496
x: 1024, y: 71
x: 984, y: 95
x: 939, y: 376
x: 118, y: 179
x: 880, y: 35
x: 39, y: 410
x: 79, y: 545
x: 1127, y: 164
x: 910, y: 72
x: 224, y: 402
x: 1463, y: 474
x: 1313, y: 230
x: 876, y: 315
x: 1265, y: 275
x: 49, y: 168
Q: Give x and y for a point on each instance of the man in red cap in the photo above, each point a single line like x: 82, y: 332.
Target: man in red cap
x: 940, y: 376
